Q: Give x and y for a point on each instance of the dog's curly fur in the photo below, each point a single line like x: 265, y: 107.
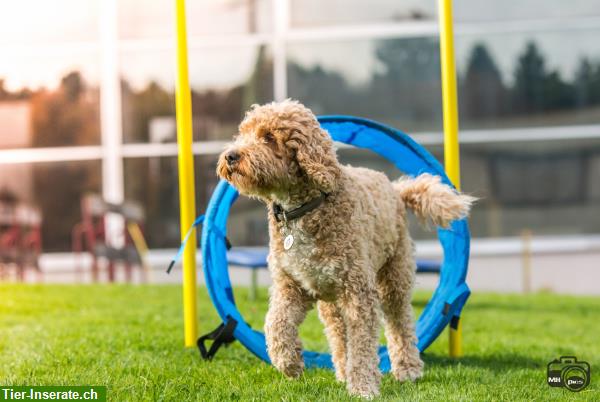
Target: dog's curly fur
x: 352, y: 255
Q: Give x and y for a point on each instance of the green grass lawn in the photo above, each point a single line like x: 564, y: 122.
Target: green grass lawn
x: 130, y: 339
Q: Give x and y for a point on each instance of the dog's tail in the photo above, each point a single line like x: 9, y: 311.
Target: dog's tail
x: 432, y: 200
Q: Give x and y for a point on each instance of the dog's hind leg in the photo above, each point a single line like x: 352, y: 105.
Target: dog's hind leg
x: 395, y: 282
x: 359, y: 308
x: 335, y: 330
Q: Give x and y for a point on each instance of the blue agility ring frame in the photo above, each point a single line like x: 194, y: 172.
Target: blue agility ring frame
x: 410, y: 158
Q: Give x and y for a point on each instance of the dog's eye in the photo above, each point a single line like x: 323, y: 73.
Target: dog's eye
x: 268, y: 137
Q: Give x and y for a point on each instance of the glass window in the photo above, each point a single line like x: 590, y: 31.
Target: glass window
x: 57, y: 105
x: 513, y: 80
x: 56, y: 190
x: 247, y: 224
x: 541, y: 79
x: 153, y: 182
x: 154, y: 19
x: 312, y: 13
x: 512, y: 10
x: 549, y: 187
x: 225, y: 82
x: 395, y: 81
x: 35, y: 22
x: 308, y: 13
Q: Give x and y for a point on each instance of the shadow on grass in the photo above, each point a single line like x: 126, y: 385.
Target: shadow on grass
x: 498, y: 363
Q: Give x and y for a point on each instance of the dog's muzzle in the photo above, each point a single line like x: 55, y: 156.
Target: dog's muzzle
x: 232, y: 157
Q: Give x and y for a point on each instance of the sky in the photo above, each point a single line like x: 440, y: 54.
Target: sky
x: 37, y: 48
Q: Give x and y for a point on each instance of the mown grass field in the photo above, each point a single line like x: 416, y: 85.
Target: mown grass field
x: 130, y: 339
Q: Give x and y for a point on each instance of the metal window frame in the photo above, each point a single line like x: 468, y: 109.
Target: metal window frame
x: 111, y: 126
x: 148, y: 150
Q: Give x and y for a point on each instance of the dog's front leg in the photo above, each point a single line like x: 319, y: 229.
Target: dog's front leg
x: 287, y: 308
x: 362, y: 329
x: 335, y: 329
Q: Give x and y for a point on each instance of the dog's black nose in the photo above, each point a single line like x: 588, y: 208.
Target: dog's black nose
x: 232, y: 157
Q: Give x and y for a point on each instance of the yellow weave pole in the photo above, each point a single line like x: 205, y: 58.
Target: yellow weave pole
x: 187, y: 201
x: 450, y: 107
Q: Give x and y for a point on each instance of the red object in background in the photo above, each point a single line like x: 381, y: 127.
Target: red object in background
x: 20, y: 237
x: 90, y: 235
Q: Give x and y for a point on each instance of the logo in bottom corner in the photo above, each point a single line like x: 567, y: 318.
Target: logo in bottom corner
x: 569, y: 373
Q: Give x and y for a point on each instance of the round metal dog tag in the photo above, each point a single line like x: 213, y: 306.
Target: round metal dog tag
x: 287, y: 243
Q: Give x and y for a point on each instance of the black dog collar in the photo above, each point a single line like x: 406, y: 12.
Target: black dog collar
x: 286, y: 216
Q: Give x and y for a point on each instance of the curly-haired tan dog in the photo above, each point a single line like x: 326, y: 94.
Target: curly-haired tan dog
x: 350, y: 250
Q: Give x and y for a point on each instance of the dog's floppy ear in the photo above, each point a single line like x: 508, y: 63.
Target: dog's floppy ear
x: 316, y: 157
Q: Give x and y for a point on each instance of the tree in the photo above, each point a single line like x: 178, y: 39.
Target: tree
x: 558, y: 94
x: 259, y: 87
x: 484, y: 94
x: 22, y: 94
x: 529, y: 80
x: 587, y: 83
x: 595, y: 85
x: 536, y: 89
x: 140, y: 107
x: 72, y: 86
x: 322, y: 90
x: 67, y: 116
x: 4, y: 94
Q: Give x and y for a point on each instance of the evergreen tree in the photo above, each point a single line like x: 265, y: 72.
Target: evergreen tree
x: 558, y: 94
x: 538, y: 90
x: 483, y: 91
x: 530, y: 74
x: 587, y: 83
x: 595, y: 85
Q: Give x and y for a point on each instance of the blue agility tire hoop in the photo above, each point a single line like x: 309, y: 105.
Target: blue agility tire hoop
x: 410, y: 158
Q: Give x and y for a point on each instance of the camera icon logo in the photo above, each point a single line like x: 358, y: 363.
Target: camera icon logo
x: 569, y: 373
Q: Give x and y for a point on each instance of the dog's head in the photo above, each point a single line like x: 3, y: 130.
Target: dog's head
x: 280, y: 147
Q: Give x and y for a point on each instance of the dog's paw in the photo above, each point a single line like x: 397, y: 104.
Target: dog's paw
x: 291, y: 369
x: 340, y: 376
x: 366, y: 390
x: 409, y: 371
